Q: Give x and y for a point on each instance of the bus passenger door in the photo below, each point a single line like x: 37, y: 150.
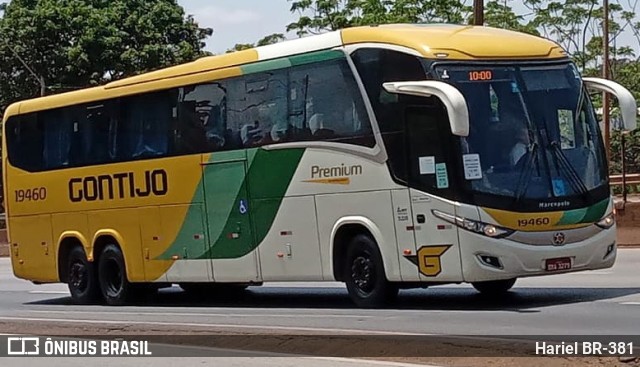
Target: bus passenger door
x: 429, y: 150
x: 228, y: 216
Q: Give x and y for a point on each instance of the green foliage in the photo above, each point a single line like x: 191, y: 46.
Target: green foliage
x: 268, y: 40
x: 77, y: 43
x: 317, y: 16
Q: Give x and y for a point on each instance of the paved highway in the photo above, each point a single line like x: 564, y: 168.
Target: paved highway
x: 604, y: 302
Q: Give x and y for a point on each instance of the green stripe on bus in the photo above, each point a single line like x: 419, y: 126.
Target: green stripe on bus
x: 263, y: 66
x: 267, y: 180
x: 316, y: 57
x: 596, y: 212
x: 572, y: 216
x: 585, y: 215
x: 296, y: 60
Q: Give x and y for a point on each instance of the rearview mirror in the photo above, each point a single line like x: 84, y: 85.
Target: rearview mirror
x: 451, y: 97
x: 628, y: 106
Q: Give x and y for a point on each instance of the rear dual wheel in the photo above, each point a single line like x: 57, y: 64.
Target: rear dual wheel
x: 112, y: 273
x: 82, y: 277
x: 106, y: 278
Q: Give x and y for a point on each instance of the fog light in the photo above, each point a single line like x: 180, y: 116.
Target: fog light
x: 610, y: 249
x: 490, y: 261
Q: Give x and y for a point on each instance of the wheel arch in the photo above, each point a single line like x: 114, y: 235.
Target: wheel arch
x: 344, y: 230
x: 105, y: 237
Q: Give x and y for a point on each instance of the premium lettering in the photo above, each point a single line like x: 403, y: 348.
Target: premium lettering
x: 337, y: 171
x: 118, y: 186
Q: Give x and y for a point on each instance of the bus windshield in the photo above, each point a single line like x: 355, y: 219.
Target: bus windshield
x: 533, y: 132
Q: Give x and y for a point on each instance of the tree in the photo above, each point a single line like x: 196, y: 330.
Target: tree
x: 77, y: 43
x: 318, y: 16
x: 268, y: 40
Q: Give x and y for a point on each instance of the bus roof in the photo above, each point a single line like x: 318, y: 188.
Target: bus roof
x: 441, y: 41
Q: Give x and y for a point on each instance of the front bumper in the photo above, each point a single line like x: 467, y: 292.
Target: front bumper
x: 518, y: 260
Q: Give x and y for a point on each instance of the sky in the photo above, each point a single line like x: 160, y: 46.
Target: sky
x: 246, y: 21
x: 239, y: 21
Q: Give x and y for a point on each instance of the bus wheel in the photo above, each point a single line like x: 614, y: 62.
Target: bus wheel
x: 364, y: 274
x: 494, y: 287
x: 81, y: 277
x: 113, y: 276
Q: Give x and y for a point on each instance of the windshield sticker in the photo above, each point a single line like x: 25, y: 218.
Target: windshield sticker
x: 472, y: 167
x: 427, y: 165
x: 442, y: 179
x: 559, y: 187
x: 567, y: 132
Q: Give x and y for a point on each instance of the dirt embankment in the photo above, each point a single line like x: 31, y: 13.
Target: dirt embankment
x: 628, y: 222
x: 440, y: 350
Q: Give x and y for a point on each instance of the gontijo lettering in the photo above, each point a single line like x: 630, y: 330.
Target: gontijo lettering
x: 118, y: 186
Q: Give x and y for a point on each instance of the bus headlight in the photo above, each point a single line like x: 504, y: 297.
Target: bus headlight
x: 475, y: 226
x: 606, y: 222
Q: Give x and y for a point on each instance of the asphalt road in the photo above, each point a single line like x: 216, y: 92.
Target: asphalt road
x: 604, y: 302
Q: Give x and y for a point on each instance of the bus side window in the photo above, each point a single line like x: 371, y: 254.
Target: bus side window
x: 201, y: 115
x: 377, y: 66
x: 257, y: 108
x: 145, y: 126
x: 333, y: 106
x: 98, y: 133
x: 25, y: 142
x: 57, y: 142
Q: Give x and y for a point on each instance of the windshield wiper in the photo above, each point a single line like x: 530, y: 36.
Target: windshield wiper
x: 525, y: 175
x: 574, y: 177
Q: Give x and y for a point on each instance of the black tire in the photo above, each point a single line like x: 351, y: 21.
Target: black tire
x: 364, y: 274
x: 494, y: 287
x: 82, y: 278
x: 115, y: 287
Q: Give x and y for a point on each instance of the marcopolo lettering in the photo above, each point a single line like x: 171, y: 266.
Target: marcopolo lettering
x: 118, y: 186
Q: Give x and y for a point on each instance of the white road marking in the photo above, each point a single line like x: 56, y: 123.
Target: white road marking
x: 49, y: 292
x: 322, y: 316
x: 630, y: 303
x: 228, y: 326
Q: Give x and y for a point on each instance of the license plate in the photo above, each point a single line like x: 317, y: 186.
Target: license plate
x: 563, y: 263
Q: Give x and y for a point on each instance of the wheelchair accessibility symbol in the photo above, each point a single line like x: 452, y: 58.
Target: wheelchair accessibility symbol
x: 243, y: 207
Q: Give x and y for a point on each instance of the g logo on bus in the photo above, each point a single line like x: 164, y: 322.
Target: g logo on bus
x: 428, y: 259
x: 558, y: 239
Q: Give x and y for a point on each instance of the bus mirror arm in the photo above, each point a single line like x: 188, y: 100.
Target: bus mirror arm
x: 450, y: 96
x: 628, y: 105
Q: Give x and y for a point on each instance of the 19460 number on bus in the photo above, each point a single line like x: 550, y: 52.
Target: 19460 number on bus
x: 34, y: 194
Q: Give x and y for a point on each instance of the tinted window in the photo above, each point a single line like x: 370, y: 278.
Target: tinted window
x: 376, y: 67
x: 25, y: 142
x: 146, y: 125
x: 318, y: 101
x: 326, y: 104
x: 430, y: 162
x: 202, y: 120
x: 257, y: 111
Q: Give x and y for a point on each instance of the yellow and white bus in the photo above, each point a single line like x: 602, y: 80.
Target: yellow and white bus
x: 384, y: 157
